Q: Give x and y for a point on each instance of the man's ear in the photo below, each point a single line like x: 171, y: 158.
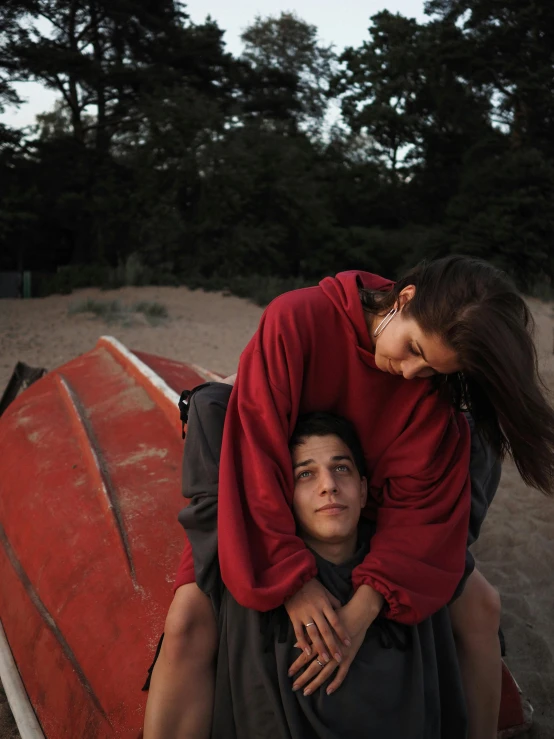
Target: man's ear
x: 405, y: 296
x: 363, y: 492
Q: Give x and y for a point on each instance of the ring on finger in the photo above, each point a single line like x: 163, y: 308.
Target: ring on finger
x: 320, y: 663
x: 311, y: 623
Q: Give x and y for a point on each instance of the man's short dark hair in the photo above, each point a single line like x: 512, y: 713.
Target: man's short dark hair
x: 327, y: 424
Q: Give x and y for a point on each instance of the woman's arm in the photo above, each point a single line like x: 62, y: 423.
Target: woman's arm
x: 417, y: 554
x: 263, y: 562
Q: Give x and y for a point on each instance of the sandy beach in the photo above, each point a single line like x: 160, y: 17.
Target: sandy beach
x: 516, y: 548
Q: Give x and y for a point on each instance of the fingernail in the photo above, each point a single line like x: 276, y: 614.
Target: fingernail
x: 307, y: 691
x: 330, y: 690
x: 308, y: 651
x: 347, y: 642
x: 325, y: 657
x: 338, y: 656
x: 295, y: 687
x: 290, y: 673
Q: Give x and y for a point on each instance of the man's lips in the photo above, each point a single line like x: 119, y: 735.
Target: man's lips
x: 331, y: 508
x: 392, y: 370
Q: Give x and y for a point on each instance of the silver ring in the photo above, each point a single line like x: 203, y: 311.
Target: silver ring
x: 310, y: 624
x: 320, y: 663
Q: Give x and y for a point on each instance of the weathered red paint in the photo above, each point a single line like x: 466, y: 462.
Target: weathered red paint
x: 71, y: 599
x: 514, y: 719
x: 89, y: 541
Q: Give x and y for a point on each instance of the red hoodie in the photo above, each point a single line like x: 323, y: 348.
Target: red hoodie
x: 312, y: 352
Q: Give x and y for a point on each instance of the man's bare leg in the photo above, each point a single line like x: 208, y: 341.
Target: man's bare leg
x: 180, y: 699
x: 475, y: 621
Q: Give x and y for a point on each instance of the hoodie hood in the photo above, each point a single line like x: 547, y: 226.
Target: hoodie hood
x: 343, y: 292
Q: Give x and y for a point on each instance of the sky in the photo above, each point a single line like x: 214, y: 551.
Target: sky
x: 343, y: 23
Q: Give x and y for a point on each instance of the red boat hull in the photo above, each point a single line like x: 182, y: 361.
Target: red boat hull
x: 89, y: 542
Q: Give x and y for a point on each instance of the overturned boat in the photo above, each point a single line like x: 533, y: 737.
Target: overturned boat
x: 89, y: 543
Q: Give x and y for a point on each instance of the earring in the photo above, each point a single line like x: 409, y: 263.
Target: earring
x: 385, y: 322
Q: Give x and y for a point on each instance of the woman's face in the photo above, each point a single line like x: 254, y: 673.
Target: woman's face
x: 403, y: 349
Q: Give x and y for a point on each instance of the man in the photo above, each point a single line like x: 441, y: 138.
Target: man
x: 404, y: 680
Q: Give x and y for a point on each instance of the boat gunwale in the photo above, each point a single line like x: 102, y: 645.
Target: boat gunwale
x: 23, y: 712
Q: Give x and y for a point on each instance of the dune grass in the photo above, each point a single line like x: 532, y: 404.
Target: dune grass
x: 114, y: 311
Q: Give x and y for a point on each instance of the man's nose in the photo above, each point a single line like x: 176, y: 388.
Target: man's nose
x: 327, y: 484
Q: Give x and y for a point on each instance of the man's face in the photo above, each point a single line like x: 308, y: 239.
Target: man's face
x: 329, y: 493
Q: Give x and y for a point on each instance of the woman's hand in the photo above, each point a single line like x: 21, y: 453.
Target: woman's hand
x: 357, y: 616
x: 312, y: 611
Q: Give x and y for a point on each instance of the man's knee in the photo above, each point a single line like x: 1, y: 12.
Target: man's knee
x: 477, y: 611
x: 215, y: 394
x: 491, y: 605
x: 190, y: 626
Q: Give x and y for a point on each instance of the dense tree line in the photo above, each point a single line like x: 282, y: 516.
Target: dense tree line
x: 167, y: 153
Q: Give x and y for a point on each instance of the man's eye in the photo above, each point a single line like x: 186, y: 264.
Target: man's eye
x: 343, y: 468
x: 304, y: 473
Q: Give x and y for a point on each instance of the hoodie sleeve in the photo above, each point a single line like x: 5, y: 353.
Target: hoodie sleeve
x: 417, y: 554
x: 262, y: 560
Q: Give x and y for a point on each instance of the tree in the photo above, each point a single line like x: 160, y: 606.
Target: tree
x: 163, y: 144
x: 272, y: 215
x: 119, y: 68
x: 405, y: 91
x: 8, y: 27
x: 378, y: 84
x: 504, y: 213
x: 292, y: 67
x: 510, y: 45
x: 105, y: 56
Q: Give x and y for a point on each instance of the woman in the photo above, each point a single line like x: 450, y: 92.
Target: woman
x: 456, y: 327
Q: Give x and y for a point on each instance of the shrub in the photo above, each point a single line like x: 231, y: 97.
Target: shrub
x: 154, y: 312
x: 112, y: 311
x: 109, y: 310
x: 542, y: 289
x: 260, y: 289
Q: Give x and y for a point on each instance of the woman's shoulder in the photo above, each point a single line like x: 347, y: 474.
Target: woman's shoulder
x: 432, y: 408
x: 303, y: 307
x: 304, y: 297
x: 436, y: 425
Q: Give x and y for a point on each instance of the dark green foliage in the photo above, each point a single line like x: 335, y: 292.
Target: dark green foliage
x: 132, y: 271
x: 509, y: 52
x: 261, y: 289
x: 506, y: 212
x: 121, y: 68
x: 261, y: 205
x: 168, y: 161
x: 286, y: 51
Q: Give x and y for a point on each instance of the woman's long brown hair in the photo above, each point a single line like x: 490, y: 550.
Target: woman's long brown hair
x: 476, y: 310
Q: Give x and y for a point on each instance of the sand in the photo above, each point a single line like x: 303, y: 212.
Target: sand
x: 516, y: 548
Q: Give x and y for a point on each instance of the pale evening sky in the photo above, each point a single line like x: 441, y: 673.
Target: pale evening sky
x: 343, y: 24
